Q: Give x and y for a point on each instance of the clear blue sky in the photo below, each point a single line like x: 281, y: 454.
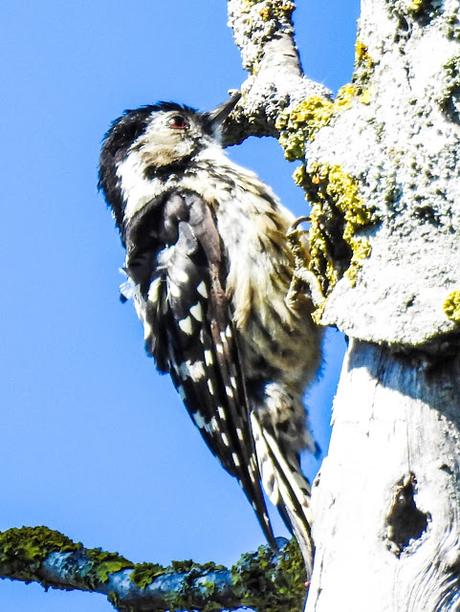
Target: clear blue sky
x: 93, y: 442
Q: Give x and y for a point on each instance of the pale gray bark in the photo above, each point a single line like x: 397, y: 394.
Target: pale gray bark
x: 402, y: 145
x: 387, y: 498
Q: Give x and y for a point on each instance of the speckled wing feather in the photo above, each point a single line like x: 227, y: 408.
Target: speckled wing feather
x: 175, y: 256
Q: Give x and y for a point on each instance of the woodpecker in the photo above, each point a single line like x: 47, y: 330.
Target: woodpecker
x: 209, y: 269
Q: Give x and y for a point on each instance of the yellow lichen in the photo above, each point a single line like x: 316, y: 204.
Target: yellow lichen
x: 277, y: 10
x: 360, y: 51
x: 365, y: 96
x: 416, y: 6
x: 361, y: 250
x: 344, y: 97
x: 364, y: 69
x: 362, y: 57
x: 265, y: 14
x: 342, y: 189
x: 451, y: 306
x: 301, y: 124
x: 315, y: 110
x: 338, y: 213
x: 299, y: 176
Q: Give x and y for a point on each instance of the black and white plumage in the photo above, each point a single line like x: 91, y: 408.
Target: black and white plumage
x: 209, y: 270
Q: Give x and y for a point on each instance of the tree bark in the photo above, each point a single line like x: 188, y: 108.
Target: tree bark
x: 264, y: 33
x: 386, y: 501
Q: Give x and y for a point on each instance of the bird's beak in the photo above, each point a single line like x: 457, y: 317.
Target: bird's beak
x: 216, y: 117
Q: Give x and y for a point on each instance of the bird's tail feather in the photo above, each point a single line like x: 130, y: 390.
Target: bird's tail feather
x: 286, y: 488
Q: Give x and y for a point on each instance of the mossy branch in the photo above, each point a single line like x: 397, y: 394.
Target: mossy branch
x: 263, y: 31
x: 263, y: 580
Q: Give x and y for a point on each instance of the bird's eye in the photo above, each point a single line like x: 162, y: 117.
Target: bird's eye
x: 178, y: 122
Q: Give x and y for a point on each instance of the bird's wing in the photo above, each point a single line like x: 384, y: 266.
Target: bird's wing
x: 175, y: 256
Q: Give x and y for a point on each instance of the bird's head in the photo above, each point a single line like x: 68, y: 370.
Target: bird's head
x: 152, y: 143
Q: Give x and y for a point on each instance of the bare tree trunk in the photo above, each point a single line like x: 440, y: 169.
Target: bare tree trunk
x: 386, y: 503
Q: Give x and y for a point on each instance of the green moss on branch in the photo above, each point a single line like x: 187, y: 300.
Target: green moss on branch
x: 23, y: 550
x: 271, y: 583
x: 263, y: 580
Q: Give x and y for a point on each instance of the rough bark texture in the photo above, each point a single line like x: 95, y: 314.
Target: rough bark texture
x: 264, y: 33
x: 387, y: 498
x: 380, y: 163
x: 396, y: 138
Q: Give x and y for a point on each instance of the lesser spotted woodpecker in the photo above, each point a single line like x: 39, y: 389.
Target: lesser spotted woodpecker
x: 209, y: 270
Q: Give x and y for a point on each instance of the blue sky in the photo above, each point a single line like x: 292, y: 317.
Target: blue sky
x: 93, y: 441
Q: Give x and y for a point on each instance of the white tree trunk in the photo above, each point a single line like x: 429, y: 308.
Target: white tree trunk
x: 386, y: 502
x: 387, y: 507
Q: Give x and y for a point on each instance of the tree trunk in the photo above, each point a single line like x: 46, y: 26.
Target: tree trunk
x: 386, y: 502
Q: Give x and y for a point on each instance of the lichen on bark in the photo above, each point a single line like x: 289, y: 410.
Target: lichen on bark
x: 402, y: 151
x: 24, y: 550
x: 451, y: 306
x: 338, y: 214
x: 265, y: 580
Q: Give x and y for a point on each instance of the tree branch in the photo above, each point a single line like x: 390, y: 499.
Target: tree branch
x: 264, y: 33
x: 263, y: 580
